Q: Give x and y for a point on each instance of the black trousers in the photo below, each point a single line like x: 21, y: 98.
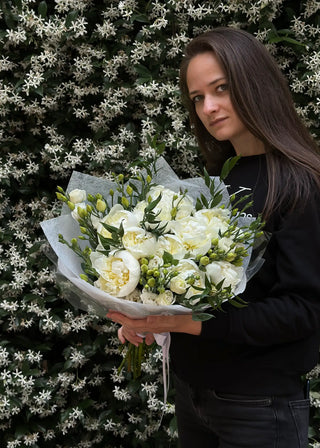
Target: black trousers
x: 209, y: 419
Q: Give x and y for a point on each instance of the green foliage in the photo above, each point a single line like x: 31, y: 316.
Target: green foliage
x: 93, y: 86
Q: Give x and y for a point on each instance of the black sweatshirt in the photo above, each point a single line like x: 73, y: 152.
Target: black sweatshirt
x: 265, y: 347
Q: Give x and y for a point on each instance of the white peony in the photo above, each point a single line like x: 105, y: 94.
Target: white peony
x: 223, y: 270
x: 119, y: 273
x: 217, y: 220
x: 139, y: 242
x: 76, y: 196
x: 193, y: 231
x: 172, y: 244
x: 115, y: 217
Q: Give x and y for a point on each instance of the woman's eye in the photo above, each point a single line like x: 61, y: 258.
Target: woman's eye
x: 222, y: 87
x: 196, y: 98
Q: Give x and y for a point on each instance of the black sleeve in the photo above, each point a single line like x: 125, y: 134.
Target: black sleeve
x: 291, y: 309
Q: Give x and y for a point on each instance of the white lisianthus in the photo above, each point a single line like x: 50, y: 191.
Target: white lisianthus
x: 115, y: 217
x: 119, y: 273
x: 155, y: 262
x: 172, y: 244
x: 151, y: 298
x: 217, y: 220
x: 188, y: 276
x: 225, y: 243
x: 74, y: 213
x: 76, y: 196
x: 194, y: 232
x: 223, y: 270
x: 139, y: 242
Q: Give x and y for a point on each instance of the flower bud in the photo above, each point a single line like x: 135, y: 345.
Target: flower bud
x: 129, y: 190
x: 101, y: 205
x: 61, y: 197
x: 84, y: 277
x: 120, y: 177
x: 174, y: 212
x: 149, y: 179
x: 111, y: 192
x: 124, y: 201
x: 230, y: 256
x: 151, y: 282
x: 71, y: 205
x: 83, y: 229
x: 204, y: 260
x: 82, y: 212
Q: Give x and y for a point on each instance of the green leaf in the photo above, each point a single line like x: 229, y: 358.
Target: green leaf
x: 42, y: 9
x: 228, y: 165
x: 201, y: 317
x: 71, y: 17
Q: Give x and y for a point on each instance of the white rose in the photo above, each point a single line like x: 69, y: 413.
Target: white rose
x: 194, y: 233
x: 115, y: 217
x: 223, y: 270
x: 165, y: 298
x: 74, y: 213
x: 172, y: 244
x: 187, y: 269
x: 119, y: 273
x: 77, y: 196
x: 139, y: 242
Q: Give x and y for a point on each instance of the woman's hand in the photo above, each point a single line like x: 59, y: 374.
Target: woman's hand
x: 125, y: 334
x: 181, y: 323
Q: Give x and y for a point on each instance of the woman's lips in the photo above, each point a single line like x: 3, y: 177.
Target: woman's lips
x: 217, y: 121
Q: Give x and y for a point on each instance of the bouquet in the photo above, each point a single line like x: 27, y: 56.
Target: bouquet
x: 154, y: 244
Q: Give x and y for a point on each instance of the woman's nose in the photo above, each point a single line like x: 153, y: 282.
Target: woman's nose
x: 210, y: 105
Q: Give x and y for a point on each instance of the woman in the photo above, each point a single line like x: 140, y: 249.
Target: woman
x: 238, y: 375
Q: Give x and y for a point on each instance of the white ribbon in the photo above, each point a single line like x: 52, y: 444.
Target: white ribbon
x: 164, y: 340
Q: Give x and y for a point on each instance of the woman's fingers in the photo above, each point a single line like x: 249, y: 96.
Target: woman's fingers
x: 125, y: 334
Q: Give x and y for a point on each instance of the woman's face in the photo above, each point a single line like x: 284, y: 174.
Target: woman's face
x: 209, y: 91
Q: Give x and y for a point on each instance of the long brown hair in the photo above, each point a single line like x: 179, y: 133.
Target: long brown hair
x: 261, y: 97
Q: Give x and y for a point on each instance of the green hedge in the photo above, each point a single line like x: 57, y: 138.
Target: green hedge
x: 92, y: 85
